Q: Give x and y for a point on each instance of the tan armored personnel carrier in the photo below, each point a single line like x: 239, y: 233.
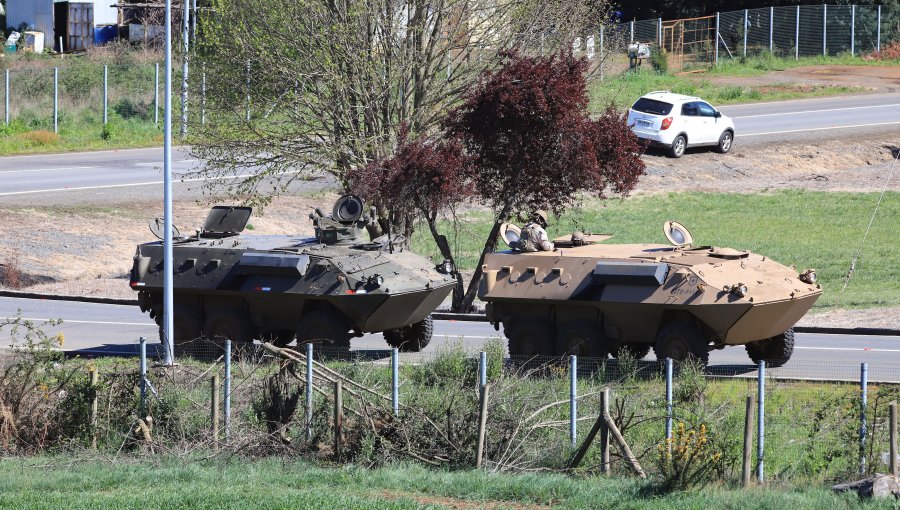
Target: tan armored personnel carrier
x: 593, y: 298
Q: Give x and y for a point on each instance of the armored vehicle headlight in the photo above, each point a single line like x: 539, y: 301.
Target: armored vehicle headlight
x: 808, y: 276
x: 445, y: 267
x: 376, y: 280
x: 739, y: 289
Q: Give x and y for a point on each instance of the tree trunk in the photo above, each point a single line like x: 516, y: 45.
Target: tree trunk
x: 489, y: 246
x: 444, y: 247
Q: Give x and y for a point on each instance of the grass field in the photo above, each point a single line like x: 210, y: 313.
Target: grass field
x: 623, y: 89
x: 56, y: 482
x: 821, y: 230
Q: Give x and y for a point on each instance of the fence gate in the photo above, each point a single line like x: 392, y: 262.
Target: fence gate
x: 690, y: 43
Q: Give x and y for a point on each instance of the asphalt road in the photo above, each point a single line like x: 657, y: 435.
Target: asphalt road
x: 814, y: 118
x: 103, y: 176
x: 92, y: 329
x: 117, y: 176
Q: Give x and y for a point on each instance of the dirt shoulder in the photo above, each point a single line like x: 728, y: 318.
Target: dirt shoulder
x: 872, y: 78
x: 87, y: 250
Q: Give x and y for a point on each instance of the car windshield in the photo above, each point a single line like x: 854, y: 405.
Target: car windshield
x: 652, y: 106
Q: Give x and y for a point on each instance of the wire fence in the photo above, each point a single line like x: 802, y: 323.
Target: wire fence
x: 786, y: 31
x: 81, y: 95
x: 448, y: 407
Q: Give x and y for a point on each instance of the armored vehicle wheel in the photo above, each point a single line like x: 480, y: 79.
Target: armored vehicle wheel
x: 531, y: 337
x: 412, y: 338
x: 582, y: 338
x: 681, y: 341
x: 187, y: 327
x: 776, y: 351
x: 324, y: 325
x: 635, y: 350
x: 227, y: 324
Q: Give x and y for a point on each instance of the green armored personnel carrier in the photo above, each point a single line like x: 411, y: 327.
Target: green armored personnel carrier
x: 331, y: 287
x: 593, y: 298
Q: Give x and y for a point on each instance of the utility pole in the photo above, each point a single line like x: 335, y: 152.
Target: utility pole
x: 167, y: 323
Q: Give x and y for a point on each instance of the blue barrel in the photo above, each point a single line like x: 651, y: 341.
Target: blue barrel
x: 105, y: 33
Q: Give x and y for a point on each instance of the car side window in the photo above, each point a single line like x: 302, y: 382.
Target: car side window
x: 689, y: 109
x: 706, y: 110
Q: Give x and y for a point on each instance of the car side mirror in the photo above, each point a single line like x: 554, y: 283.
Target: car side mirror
x: 718, y: 114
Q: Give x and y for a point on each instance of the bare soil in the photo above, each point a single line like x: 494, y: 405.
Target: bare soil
x: 870, y: 78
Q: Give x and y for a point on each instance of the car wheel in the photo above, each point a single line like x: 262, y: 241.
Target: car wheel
x: 679, y: 144
x: 725, y: 142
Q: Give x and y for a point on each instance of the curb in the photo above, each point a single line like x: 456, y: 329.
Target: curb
x: 437, y: 315
x: 57, y: 297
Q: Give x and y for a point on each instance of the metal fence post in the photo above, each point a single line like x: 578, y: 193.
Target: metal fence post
x: 227, y: 389
x: 203, y: 96
x: 761, y: 419
x: 309, y: 390
x: 600, y: 52
x: 746, y: 26
x: 797, y: 36
x: 6, y: 98
x: 105, y: 94
x: 863, y: 403
x: 156, y: 95
x: 659, y: 35
x: 716, y: 42
x: 878, y: 30
x: 395, y: 381
x: 669, y: 399
x: 573, y: 398
x: 248, y: 91
x: 825, y: 30
x: 56, y: 99
x: 632, y: 31
x: 143, y: 365
x: 771, y: 29
x: 482, y: 369
x: 92, y: 373
x: 853, y: 30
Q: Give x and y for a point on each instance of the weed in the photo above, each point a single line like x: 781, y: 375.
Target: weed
x: 687, y: 460
x: 11, y: 273
x: 42, y: 138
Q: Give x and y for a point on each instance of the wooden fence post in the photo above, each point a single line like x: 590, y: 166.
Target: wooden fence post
x: 214, y: 412
x: 893, y: 419
x: 604, y: 432
x: 93, y: 375
x: 748, y: 441
x: 338, y: 417
x: 482, y: 422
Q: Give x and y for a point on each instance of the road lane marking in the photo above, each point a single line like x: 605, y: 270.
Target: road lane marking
x: 811, y: 99
x: 814, y: 111
x: 815, y: 129
x: 133, y: 184
x: 110, y: 151
x: 46, y: 169
x: 160, y: 163
x: 70, y: 321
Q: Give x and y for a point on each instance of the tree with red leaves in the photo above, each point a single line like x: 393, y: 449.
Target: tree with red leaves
x: 421, y: 180
x: 526, y: 129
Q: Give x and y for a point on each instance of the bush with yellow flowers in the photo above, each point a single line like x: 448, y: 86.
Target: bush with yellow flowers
x: 688, y: 460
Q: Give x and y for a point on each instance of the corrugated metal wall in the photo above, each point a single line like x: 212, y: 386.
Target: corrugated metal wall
x: 36, y: 13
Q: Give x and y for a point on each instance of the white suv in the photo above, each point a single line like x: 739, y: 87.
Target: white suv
x: 677, y: 122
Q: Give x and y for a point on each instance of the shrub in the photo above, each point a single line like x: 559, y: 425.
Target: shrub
x: 890, y: 51
x: 42, y: 137
x: 659, y: 60
x: 687, y: 460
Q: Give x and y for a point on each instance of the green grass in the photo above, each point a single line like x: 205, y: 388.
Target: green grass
x: 820, y: 230
x: 54, y: 482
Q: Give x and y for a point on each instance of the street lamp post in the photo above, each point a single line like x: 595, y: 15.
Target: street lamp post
x: 167, y: 323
